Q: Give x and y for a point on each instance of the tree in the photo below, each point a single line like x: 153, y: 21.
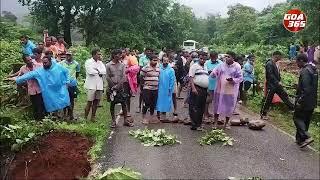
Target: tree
x: 136, y: 24
x: 55, y: 15
x: 270, y: 27
x: 212, y: 26
x: 311, y: 8
x: 241, y: 21
x: 90, y: 19
x: 9, y: 16
x: 178, y: 28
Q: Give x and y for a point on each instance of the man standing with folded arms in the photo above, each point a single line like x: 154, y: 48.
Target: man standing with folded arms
x: 95, y: 69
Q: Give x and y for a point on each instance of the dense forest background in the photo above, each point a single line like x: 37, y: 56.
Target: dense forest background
x: 166, y: 23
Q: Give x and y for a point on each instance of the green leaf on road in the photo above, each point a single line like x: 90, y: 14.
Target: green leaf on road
x: 120, y: 174
x: 215, y: 136
x: 154, y: 138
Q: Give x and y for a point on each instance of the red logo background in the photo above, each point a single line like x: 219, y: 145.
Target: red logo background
x: 294, y: 25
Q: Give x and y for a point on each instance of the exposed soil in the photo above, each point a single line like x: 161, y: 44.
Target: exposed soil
x: 57, y: 155
x: 288, y: 66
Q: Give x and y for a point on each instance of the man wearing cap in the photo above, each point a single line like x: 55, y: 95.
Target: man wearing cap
x: 74, y: 70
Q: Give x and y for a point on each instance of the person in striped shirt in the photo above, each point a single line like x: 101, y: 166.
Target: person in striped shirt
x: 150, y: 75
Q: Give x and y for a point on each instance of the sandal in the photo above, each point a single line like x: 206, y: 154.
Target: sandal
x: 187, y: 122
x: 228, y: 127
x: 220, y: 122
x: 128, y: 124
x: 175, y: 118
x: 235, y: 113
x: 207, y: 120
x: 165, y: 121
x: 113, y: 125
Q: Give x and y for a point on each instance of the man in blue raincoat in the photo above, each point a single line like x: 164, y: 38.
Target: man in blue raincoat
x: 27, y: 45
x: 52, y: 79
x: 165, y: 89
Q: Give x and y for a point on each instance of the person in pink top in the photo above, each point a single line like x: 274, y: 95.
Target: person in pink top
x: 131, y: 69
x: 37, y: 56
x: 49, y: 46
x: 33, y: 87
x: 61, y: 45
x: 132, y: 72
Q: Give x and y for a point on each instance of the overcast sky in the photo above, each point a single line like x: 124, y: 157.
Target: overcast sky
x: 203, y: 7
x: 200, y: 7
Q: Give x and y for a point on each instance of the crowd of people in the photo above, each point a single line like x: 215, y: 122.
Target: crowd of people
x: 158, y: 79
x: 312, y: 51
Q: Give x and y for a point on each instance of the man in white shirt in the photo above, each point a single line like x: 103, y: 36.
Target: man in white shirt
x: 199, y: 81
x: 95, y: 69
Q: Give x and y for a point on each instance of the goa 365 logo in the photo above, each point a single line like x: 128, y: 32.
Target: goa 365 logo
x: 294, y: 20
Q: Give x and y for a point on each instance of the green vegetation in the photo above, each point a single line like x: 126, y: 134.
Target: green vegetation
x: 10, y: 53
x: 17, y: 127
x: 216, y: 136
x: 120, y: 173
x: 81, y: 54
x: 249, y: 178
x: 166, y: 23
x: 154, y: 138
x: 11, y: 59
x: 17, y: 131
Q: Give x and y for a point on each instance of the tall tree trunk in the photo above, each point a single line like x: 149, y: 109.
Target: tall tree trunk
x: 67, y: 25
x: 53, y: 27
x: 53, y: 17
x: 90, y: 28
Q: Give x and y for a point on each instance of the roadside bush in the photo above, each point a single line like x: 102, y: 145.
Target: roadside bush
x: 12, y: 32
x: 9, y: 55
x: 81, y: 54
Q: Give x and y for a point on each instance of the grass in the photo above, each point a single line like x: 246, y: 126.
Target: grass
x: 281, y: 118
x: 23, y: 125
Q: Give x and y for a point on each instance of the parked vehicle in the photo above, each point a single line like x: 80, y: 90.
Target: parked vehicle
x: 190, y: 45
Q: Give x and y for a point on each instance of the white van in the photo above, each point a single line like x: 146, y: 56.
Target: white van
x: 190, y: 45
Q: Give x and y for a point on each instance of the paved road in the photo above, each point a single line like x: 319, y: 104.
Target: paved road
x: 269, y: 154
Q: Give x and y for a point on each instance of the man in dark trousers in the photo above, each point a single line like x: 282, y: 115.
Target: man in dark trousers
x: 199, y: 82
x: 274, y: 85
x: 117, y: 90
x: 306, y: 99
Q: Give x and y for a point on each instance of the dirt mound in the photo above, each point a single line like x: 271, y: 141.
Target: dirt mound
x: 288, y: 66
x: 58, y: 155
